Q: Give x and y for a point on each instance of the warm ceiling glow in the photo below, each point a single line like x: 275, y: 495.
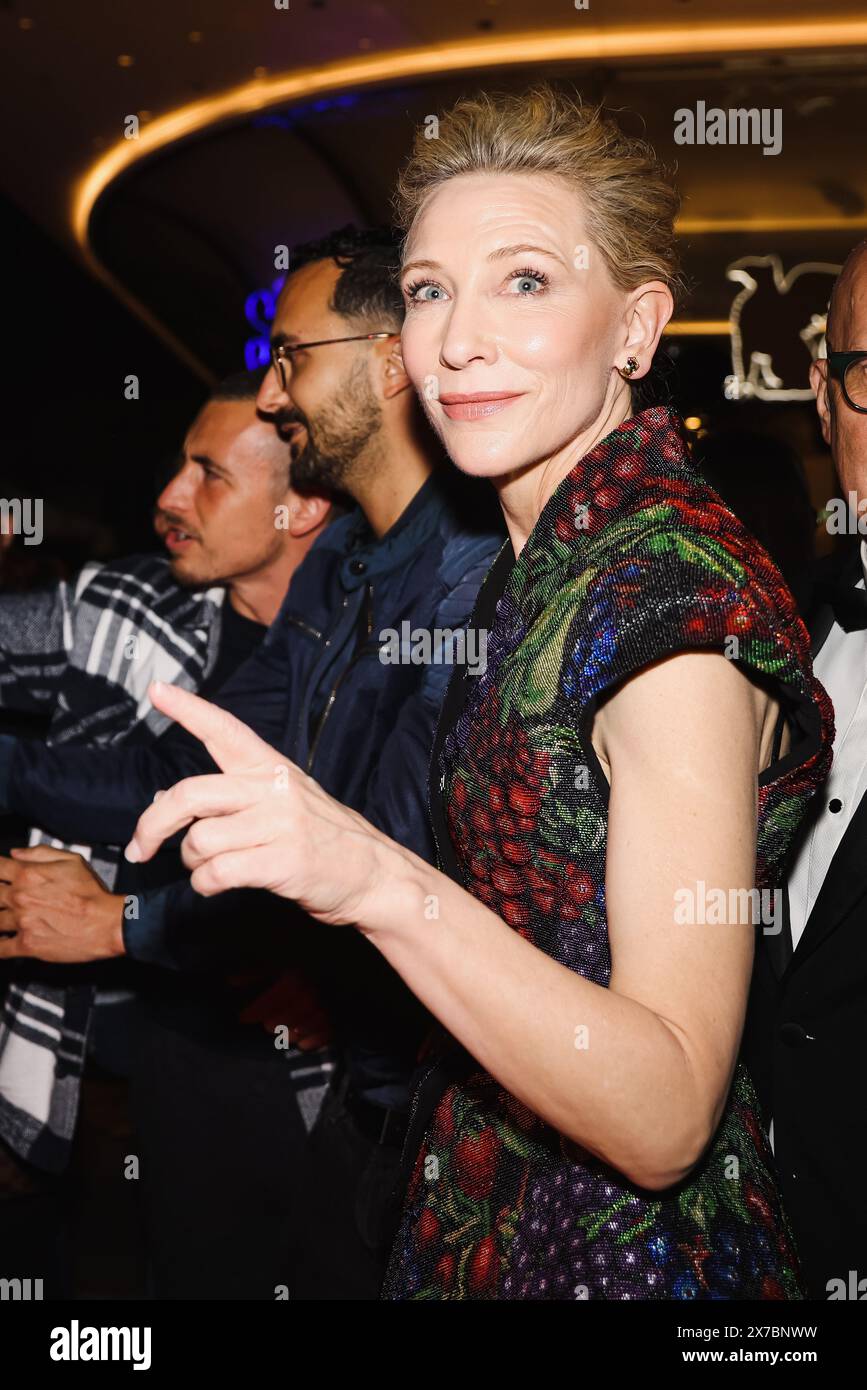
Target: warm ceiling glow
x: 526, y: 49
x: 404, y: 65
x: 822, y: 222
x: 125, y: 60
x: 697, y: 328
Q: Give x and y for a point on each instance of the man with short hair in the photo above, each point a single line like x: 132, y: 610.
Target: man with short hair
x: 83, y: 653
x: 806, y: 1027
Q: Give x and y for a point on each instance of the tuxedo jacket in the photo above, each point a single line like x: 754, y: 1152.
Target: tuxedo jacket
x: 805, y: 1044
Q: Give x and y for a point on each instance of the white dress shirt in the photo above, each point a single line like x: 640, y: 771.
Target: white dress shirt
x: 841, y: 666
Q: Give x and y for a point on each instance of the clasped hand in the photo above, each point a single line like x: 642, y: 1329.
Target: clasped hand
x: 53, y: 907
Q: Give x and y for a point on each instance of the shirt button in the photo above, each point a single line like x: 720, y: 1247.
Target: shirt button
x: 357, y: 567
x: 793, y: 1035
x: 835, y: 805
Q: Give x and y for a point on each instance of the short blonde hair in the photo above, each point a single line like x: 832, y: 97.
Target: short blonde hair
x: 630, y: 198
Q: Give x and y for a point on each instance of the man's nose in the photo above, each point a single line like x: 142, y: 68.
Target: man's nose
x: 177, y: 494
x: 273, y: 396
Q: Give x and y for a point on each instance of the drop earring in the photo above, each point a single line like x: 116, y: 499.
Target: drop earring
x: 631, y: 367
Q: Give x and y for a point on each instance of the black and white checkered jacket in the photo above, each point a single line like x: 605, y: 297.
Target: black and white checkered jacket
x: 84, y: 653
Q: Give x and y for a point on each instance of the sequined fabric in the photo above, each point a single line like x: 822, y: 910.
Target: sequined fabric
x: 632, y: 559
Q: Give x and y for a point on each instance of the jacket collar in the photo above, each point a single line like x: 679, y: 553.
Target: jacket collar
x: 843, y: 886
x: 184, y: 608
x: 367, y: 556
x: 198, y: 608
x: 848, y: 570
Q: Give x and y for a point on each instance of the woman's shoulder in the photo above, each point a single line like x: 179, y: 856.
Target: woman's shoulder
x: 664, y: 566
x: 637, y: 512
x: 669, y: 542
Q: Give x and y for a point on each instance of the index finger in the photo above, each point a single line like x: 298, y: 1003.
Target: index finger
x: 233, y: 746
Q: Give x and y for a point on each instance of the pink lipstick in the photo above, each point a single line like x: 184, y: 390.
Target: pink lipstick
x: 477, y: 406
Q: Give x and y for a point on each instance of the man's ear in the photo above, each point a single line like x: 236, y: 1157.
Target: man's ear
x: 821, y: 386
x: 395, y: 378
x: 306, y: 513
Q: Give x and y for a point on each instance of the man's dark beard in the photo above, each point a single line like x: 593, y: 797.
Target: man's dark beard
x: 337, y: 436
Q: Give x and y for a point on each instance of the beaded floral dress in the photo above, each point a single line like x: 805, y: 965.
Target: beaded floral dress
x: 633, y: 558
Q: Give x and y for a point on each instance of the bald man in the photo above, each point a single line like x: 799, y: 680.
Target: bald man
x: 808, y: 1015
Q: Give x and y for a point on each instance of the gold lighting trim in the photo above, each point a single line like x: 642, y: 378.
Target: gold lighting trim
x: 697, y: 328
x: 807, y: 223
x: 517, y: 50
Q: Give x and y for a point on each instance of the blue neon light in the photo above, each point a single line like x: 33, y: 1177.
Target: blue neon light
x: 259, y: 310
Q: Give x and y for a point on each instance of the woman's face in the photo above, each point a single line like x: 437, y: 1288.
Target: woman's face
x: 513, y: 330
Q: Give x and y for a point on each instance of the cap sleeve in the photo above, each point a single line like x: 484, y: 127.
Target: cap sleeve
x: 694, y: 594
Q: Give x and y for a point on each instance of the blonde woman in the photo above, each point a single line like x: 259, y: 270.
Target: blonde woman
x: 644, y: 740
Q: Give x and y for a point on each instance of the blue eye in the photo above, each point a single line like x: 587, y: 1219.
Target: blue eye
x: 525, y: 280
x: 414, y: 292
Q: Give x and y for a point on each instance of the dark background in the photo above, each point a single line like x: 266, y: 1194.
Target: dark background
x: 177, y: 243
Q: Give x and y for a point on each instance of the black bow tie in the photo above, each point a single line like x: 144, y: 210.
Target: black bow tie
x: 848, y: 604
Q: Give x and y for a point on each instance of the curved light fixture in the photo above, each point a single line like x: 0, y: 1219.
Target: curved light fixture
x: 517, y: 50
x: 697, y: 328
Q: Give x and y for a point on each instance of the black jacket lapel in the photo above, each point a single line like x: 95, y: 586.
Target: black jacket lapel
x: 845, y: 883
x: 845, y: 569
x: 821, y: 622
x: 778, y: 945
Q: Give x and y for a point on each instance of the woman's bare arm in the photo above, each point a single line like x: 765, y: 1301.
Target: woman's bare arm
x: 644, y: 1087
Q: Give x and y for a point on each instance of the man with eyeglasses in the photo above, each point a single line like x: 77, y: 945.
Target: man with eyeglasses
x: 808, y: 1011
x: 414, y: 549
